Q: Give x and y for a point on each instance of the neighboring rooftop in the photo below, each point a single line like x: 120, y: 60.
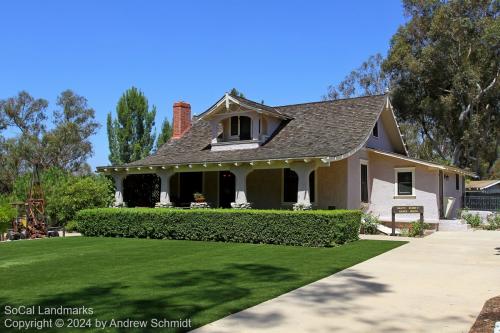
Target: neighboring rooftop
x: 479, y: 185
x: 317, y: 129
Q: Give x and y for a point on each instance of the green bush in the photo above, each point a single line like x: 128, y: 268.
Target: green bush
x: 370, y: 223
x: 7, y: 215
x: 65, y: 193
x: 71, y: 226
x: 307, y: 228
x: 493, y: 222
x: 473, y: 219
x: 416, y: 227
x: 79, y: 193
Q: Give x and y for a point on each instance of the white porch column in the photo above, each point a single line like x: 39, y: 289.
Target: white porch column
x: 118, y: 190
x: 165, y: 187
x: 240, y: 174
x: 303, y: 170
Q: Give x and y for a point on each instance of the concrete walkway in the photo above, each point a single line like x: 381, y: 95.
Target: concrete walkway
x: 435, y: 284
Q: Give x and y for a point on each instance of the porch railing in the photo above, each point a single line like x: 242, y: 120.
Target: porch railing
x: 476, y: 202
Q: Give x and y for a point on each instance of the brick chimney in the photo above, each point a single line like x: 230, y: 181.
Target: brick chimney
x: 182, y: 119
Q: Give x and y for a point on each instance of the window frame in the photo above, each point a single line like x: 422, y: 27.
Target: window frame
x: 413, y: 192
x: 457, y: 182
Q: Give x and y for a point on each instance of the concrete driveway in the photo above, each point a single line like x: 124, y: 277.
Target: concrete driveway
x: 435, y: 284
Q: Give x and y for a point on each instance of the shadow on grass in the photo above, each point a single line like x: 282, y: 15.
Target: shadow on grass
x: 201, y: 295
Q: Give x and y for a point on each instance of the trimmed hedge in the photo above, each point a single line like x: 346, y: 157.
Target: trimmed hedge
x: 307, y: 228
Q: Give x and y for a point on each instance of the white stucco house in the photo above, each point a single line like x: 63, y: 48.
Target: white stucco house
x: 346, y: 153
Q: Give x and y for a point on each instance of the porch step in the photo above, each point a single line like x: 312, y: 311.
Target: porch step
x: 453, y: 225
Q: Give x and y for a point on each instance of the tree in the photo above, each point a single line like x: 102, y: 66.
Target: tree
x: 129, y: 135
x: 444, y: 65
x: 165, y: 134
x: 12, y: 163
x: 66, y: 193
x: 368, y: 79
x: 236, y: 93
x: 68, y: 144
x: 65, y: 145
x: 27, y: 115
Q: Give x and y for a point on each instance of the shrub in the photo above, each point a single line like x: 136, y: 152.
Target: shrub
x: 71, y: 226
x: 79, y: 193
x: 7, y: 215
x: 307, y: 228
x: 493, y: 222
x: 65, y: 193
x: 473, y: 219
x: 416, y: 227
x: 370, y: 223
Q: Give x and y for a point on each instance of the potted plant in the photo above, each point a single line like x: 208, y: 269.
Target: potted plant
x: 199, y: 201
x: 199, y: 197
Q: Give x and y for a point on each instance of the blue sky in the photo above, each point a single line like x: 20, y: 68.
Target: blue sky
x: 282, y: 52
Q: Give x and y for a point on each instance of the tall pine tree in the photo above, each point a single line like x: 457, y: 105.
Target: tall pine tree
x: 165, y: 134
x: 130, y: 135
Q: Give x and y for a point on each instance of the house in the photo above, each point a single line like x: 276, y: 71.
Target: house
x: 483, y: 187
x: 346, y: 153
x: 483, y: 195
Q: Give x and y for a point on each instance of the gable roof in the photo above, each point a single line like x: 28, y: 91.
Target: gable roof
x: 319, y: 129
x: 246, y: 103
x: 479, y: 185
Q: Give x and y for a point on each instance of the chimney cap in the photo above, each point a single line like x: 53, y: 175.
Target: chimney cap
x: 182, y: 104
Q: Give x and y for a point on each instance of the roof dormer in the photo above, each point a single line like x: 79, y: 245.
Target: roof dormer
x: 238, y: 123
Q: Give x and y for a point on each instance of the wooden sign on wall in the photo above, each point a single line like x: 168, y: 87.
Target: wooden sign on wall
x: 407, y: 210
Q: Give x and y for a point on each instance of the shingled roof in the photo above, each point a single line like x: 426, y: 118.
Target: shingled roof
x: 318, y: 129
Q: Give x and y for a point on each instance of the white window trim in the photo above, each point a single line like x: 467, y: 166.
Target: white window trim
x: 413, y: 192
x: 365, y: 162
x: 288, y: 203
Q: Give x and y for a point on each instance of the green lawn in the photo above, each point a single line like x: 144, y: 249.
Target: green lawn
x: 145, y: 279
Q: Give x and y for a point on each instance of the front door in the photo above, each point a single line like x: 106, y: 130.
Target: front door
x: 227, y: 192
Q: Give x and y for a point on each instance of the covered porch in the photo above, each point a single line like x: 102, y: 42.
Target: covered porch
x: 271, y: 184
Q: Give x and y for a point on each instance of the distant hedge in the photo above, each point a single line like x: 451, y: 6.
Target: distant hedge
x: 306, y: 228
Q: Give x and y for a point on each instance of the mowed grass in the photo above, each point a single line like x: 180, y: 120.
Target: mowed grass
x: 144, y: 279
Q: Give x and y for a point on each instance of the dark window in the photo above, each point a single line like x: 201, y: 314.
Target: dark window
x: 291, y: 186
x: 312, y: 187
x: 457, y: 182
x: 245, y: 128
x: 234, y: 125
x: 190, y: 183
x: 405, y: 183
x: 364, y: 183
x: 375, y: 130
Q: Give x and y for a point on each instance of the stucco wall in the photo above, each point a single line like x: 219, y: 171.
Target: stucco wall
x: 211, y: 187
x: 354, y: 179
x: 264, y: 188
x: 332, y: 185
x: 382, y: 179
x: 381, y: 142
x: 449, y: 190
